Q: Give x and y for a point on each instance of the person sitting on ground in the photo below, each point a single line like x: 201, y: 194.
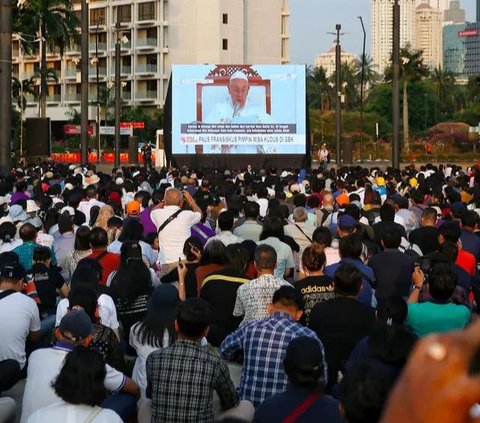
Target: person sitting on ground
x: 439, y: 314
x: 343, y: 321
x: 44, y: 366
x: 265, y: 341
x: 254, y: 297
x: 213, y: 259
x: 109, y: 261
x: 173, y: 371
x: 304, y: 398
x: 80, y: 385
x: 225, y: 224
x: 81, y: 249
x: 251, y: 228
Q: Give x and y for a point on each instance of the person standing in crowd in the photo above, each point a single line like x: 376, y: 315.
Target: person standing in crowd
x: 426, y: 236
x: 146, y: 151
x: 323, y: 157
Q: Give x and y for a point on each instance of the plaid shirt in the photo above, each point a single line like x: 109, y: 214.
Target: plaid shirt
x: 264, y: 344
x: 181, y: 379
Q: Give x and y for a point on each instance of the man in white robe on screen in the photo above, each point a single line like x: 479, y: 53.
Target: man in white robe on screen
x: 237, y: 108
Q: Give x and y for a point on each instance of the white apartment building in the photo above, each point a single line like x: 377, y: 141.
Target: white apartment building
x: 429, y: 34
x: 382, y: 29
x: 155, y: 35
x: 327, y: 60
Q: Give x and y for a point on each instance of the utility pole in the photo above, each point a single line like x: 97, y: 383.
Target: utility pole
x: 338, y: 104
x: 98, y: 91
x: 5, y: 84
x: 396, y: 86
x: 84, y: 85
x: 362, y: 88
x: 117, y: 92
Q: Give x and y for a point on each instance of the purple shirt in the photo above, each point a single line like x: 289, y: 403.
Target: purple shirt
x: 18, y: 196
x: 148, y: 225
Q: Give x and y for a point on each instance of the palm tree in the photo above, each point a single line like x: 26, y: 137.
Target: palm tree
x: 20, y: 90
x: 412, y: 69
x: 371, y: 76
x: 55, y: 24
x: 318, y: 89
x: 445, y: 87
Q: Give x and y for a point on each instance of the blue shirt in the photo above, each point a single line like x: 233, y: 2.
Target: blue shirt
x: 264, y: 343
x: 365, y: 295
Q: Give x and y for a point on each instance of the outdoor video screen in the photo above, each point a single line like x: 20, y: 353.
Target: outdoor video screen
x: 238, y: 109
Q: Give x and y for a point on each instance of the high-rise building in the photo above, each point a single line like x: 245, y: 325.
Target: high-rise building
x: 382, y: 29
x: 441, y: 5
x: 154, y: 36
x: 461, y: 49
x: 428, y: 34
x: 478, y: 10
x: 454, y: 14
x: 327, y: 60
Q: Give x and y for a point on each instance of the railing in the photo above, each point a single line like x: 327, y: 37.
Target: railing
x: 93, y: 71
x: 72, y: 97
x: 146, y: 42
x: 149, y: 94
x: 147, y: 68
x: 70, y: 73
x: 124, y: 70
x: 54, y: 98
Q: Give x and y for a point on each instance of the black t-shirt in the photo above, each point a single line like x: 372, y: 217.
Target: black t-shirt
x: 426, y: 238
x: 340, y: 324
x: 47, y: 281
x: 382, y: 227
x: 314, y: 289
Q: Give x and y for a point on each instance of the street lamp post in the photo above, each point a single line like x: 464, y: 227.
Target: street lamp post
x: 98, y: 91
x: 396, y: 86
x: 338, y: 103
x: 117, y: 92
x: 84, y: 85
x: 6, y: 28
x: 362, y: 87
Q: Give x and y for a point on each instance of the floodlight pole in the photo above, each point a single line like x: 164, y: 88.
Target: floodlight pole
x: 84, y: 85
x: 396, y: 86
x: 117, y: 92
x: 362, y: 88
x: 6, y: 28
x: 338, y: 104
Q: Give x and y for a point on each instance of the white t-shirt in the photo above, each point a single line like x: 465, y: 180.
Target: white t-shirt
x: 263, y: 203
x: 173, y: 236
x: 9, y: 246
x: 63, y: 412
x: 139, y: 374
x: 85, y: 207
x: 106, y: 311
x: 44, y: 366
x: 18, y: 316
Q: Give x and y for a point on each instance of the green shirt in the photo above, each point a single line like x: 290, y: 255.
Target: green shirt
x: 428, y: 317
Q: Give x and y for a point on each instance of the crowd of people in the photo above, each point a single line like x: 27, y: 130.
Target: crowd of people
x: 138, y: 295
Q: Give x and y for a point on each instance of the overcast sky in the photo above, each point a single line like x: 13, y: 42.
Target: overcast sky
x: 310, y: 21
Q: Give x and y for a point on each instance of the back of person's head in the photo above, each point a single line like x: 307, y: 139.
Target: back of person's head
x: 347, y: 280
x: 393, y: 308
x: 214, y: 252
x: 114, y: 222
x: 65, y: 223
x: 27, y: 232
x: 8, y: 257
x: 417, y: 196
x: 469, y: 219
x: 322, y: 236
x: 98, y: 238
x: 352, y: 210
x: 237, y: 257
x: 7, y: 232
x: 82, y: 378
x: 265, y: 257
x: 313, y: 258
x: 83, y: 298
x: 225, y: 220
x: 449, y: 231
x: 447, y: 252
x: 272, y: 227
x: 288, y: 297
x: 442, y: 281
x: 429, y: 215
x: 91, y: 191
x: 364, y: 391
x: 192, y: 243
x: 303, y: 363
x: 84, y: 276
x: 193, y: 318
x: 82, y: 238
x: 41, y: 254
x: 251, y: 210
x: 300, y: 200
x: 300, y: 214
x: 132, y: 231
x: 392, y: 238
x: 350, y: 246
x: 387, y: 213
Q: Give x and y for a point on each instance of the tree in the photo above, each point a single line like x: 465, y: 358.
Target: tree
x: 20, y: 89
x: 445, y: 88
x: 412, y: 69
x: 350, y: 84
x: 58, y: 25
x: 319, y: 92
x: 371, y: 76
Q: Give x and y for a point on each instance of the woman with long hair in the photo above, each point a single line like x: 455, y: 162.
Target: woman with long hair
x: 213, y: 259
x: 105, y: 213
x: 81, y: 386
x: 155, y: 331
x: 81, y: 249
x: 130, y: 286
x: 7, y: 237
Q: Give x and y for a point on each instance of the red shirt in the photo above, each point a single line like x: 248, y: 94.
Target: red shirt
x: 109, y: 262
x: 467, y: 262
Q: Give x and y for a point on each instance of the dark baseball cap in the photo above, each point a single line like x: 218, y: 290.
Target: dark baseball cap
x: 14, y: 271
x: 76, y: 325
x: 346, y: 222
x: 304, y: 355
x: 164, y: 301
